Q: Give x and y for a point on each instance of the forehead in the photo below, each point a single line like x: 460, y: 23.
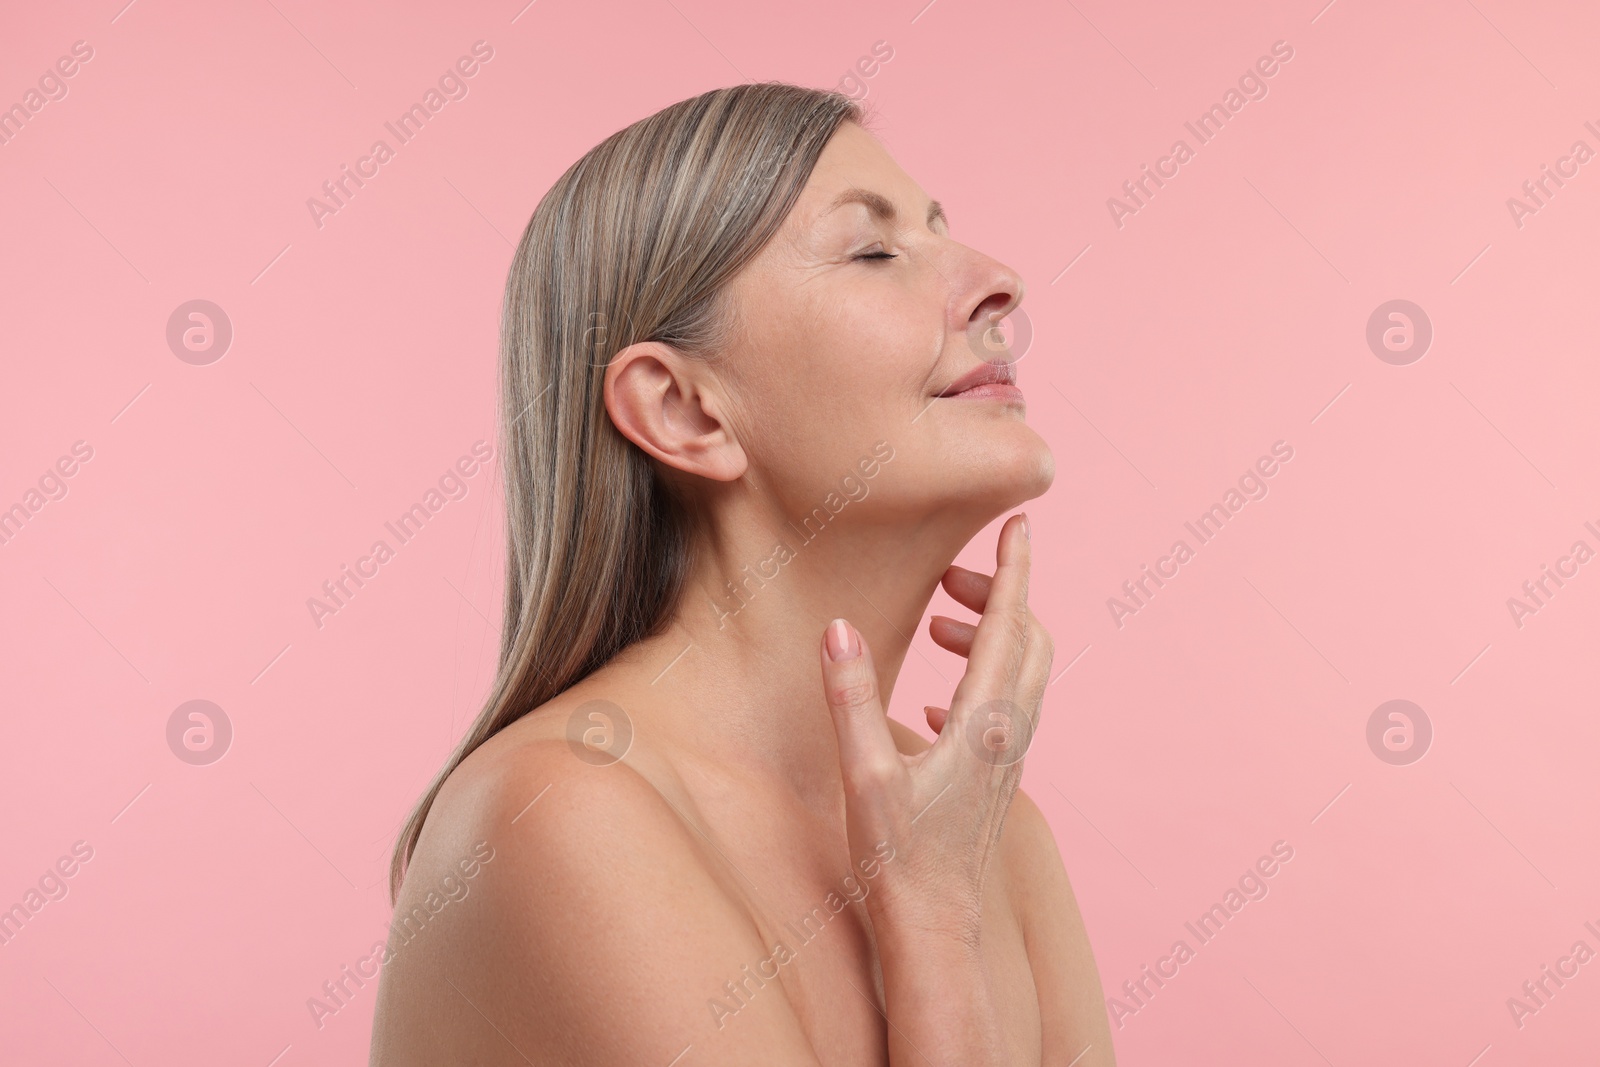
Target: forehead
x: 852, y: 159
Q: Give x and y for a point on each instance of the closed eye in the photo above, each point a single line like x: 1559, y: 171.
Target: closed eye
x: 876, y: 255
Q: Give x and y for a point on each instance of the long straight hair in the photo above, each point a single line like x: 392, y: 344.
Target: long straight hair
x: 635, y: 242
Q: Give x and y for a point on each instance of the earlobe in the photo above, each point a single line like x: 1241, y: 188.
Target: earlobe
x: 657, y: 400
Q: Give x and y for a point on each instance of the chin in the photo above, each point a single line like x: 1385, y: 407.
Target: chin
x: 1005, y: 471
x: 1033, y: 468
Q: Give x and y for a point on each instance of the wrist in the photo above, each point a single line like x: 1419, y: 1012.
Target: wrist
x: 943, y: 934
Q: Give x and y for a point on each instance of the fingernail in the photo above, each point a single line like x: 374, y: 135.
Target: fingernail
x: 842, y: 643
x: 1025, y: 531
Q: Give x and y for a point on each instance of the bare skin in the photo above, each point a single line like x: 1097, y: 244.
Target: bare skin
x: 631, y: 912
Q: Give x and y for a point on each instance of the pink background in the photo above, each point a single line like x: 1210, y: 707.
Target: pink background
x: 1228, y: 313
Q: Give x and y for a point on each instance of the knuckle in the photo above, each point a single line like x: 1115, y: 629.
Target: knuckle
x: 880, y: 772
x: 1039, y: 638
x: 1036, y: 622
x: 871, y: 778
x: 854, y: 695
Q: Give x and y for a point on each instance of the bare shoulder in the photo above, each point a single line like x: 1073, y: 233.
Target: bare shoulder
x: 591, y: 904
x: 1071, y: 999
x: 1033, y: 855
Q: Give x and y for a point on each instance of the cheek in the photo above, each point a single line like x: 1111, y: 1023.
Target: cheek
x: 852, y: 364
x: 816, y: 429
x: 832, y: 369
x: 884, y: 359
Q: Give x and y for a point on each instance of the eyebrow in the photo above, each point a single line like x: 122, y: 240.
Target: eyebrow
x: 880, y: 206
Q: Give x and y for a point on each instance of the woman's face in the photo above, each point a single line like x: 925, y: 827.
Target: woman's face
x: 841, y: 347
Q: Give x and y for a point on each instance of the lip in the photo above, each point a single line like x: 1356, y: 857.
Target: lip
x: 989, y: 391
x: 986, y: 380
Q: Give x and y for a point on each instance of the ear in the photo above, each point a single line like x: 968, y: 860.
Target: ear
x: 661, y: 401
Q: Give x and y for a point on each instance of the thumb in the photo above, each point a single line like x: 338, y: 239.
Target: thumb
x: 868, y: 756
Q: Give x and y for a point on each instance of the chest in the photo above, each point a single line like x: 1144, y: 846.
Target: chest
x: 813, y: 916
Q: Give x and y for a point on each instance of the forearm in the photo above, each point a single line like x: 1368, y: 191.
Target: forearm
x: 938, y: 1000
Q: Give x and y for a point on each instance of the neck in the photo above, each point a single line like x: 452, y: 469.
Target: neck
x: 744, y: 685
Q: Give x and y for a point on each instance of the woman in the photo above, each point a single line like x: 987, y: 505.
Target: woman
x: 744, y: 399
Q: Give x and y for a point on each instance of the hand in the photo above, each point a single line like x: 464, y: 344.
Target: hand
x: 942, y: 810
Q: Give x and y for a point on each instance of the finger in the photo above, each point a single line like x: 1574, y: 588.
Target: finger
x: 952, y: 634
x: 1034, y: 676
x: 936, y: 717
x: 1039, y: 656
x: 868, y: 757
x: 1002, y: 634
x: 956, y: 636
x: 967, y: 588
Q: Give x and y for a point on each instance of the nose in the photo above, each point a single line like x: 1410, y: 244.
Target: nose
x: 994, y: 292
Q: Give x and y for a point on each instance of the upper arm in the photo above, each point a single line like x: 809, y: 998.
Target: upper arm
x: 596, y: 934
x: 1071, y: 1001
